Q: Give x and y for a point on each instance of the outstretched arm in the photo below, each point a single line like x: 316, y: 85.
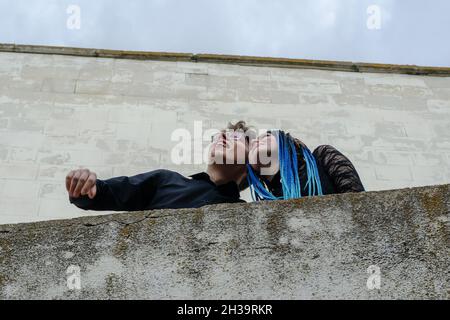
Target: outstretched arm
x: 339, y: 168
x: 116, y: 194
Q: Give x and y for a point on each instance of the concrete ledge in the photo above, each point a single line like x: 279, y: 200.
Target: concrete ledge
x: 101, y: 53
x: 311, y: 248
x: 232, y: 59
x: 324, y: 65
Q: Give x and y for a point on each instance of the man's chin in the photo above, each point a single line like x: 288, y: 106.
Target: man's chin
x: 217, y: 158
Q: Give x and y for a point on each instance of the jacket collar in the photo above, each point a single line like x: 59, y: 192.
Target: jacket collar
x: 229, y: 189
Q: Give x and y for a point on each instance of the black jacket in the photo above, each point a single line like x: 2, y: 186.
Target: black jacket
x: 159, y: 189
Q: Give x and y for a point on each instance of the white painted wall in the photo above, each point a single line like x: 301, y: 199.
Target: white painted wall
x: 116, y: 116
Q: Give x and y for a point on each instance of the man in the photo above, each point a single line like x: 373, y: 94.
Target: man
x: 159, y: 189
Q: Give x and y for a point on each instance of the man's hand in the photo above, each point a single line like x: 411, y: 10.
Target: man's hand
x: 81, y: 182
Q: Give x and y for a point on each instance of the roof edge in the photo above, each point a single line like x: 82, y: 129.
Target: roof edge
x: 231, y: 59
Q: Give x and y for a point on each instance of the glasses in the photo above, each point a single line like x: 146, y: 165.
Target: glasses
x: 229, y: 135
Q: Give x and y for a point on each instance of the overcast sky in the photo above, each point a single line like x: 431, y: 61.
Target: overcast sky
x: 404, y: 31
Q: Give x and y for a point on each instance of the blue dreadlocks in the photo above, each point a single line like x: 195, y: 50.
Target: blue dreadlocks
x: 290, y: 180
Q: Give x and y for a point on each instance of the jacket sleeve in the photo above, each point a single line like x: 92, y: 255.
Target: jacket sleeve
x: 339, y: 168
x: 122, y: 193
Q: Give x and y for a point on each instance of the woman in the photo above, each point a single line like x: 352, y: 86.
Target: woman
x: 292, y: 171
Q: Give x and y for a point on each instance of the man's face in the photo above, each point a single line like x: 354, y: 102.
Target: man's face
x: 229, y: 147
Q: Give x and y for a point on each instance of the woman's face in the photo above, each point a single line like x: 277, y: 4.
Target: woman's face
x: 263, y: 154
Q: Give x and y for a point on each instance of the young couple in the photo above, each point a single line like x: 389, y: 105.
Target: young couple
x: 274, y: 165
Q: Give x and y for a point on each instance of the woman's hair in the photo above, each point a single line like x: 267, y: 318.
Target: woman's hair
x: 294, y: 157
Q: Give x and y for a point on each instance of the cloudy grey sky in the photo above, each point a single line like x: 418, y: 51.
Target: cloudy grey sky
x: 410, y: 31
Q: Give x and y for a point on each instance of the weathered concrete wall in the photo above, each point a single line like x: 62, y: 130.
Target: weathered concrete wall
x: 311, y: 248
x: 116, y: 116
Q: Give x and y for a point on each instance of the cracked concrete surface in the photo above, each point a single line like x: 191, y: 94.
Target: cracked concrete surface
x: 311, y: 248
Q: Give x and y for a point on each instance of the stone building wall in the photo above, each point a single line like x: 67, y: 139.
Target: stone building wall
x: 116, y: 117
